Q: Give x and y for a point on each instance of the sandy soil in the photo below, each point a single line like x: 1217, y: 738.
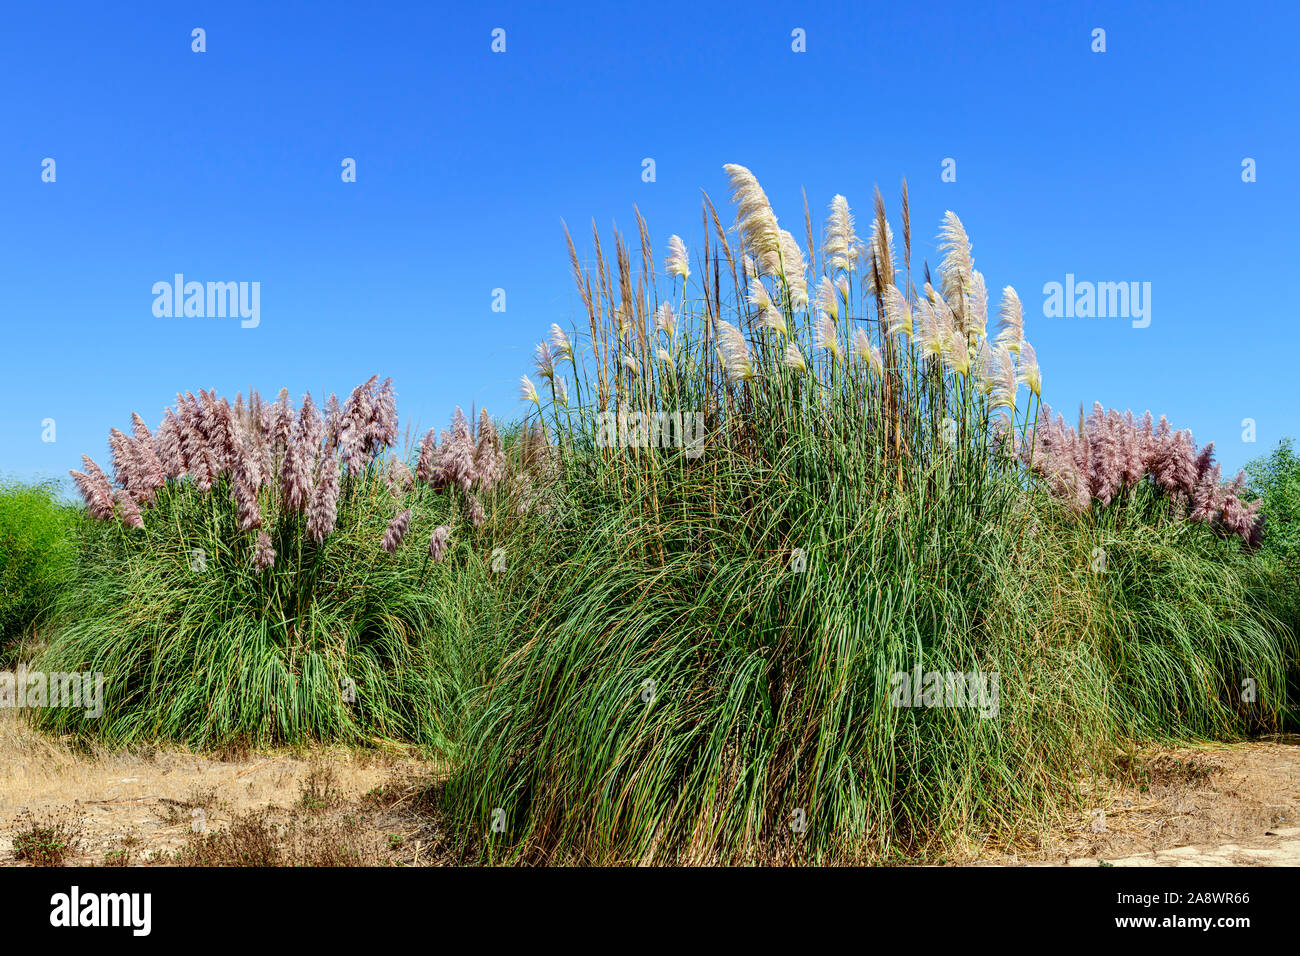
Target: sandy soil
x: 154, y: 802
x: 1214, y: 805
x: 1211, y: 805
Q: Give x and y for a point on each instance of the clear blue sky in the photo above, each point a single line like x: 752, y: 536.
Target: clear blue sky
x: 225, y: 165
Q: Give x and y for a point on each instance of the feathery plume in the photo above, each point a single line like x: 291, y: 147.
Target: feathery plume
x: 956, y: 265
x: 1011, y: 321
x: 734, y: 352
x: 396, y: 531
x: 898, y: 313
x: 489, y: 454
x: 664, y: 321
x: 127, y: 510
x: 840, y: 244
x: 439, y: 541
x: 677, y: 264
x: 544, y: 361
x: 794, y: 358
x: 560, y: 344
x: 754, y: 217
x: 263, y: 553
x: 828, y: 298
x: 1029, y: 372
x: 827, y: 337
x: 424, y: 468
x: 324, y: 501
x: 528, y: 391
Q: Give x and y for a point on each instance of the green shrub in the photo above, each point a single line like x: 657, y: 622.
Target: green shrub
x: 1275, y: 478
x: 35, y: 554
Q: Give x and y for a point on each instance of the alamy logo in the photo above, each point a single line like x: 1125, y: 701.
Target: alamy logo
x: 976, y: 690
x: 652, y: 430
x: 82, y: 691
x: 103, y: 909
x: 211, y: 300
x: 1101, y: 300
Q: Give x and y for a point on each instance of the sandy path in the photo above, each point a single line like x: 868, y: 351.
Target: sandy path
x: 151, y: 797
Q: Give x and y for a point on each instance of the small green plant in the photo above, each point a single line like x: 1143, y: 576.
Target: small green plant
x: 46, y: 840
x: 319, y: 790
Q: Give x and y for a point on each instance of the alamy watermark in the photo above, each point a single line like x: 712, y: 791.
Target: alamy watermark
x: 652, y: 430
x: 79, y: 690
x: 211, y: 300
x: 977, y: 690
x: 1101, y: 300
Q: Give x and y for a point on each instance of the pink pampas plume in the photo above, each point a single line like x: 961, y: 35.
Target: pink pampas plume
x: 475, y: 508
x: 489, y: 455
x: 311, y: 429
x: 456, y: 456
x: 324, y: 501
x: 398, y: 477
x: 139, y: 428
x: 127, y: 510
x: 167, y: 445
x: 300, y: 458
x: 383, y: 418
x: 124, y: 464
x: 282, y: 418
x: 428, y: 462
x: 333, y: 420
x: 250, y: 511
x: 95, y: 489
x: 439, y: 542
x: 263, y: 554
x: 396, y: 531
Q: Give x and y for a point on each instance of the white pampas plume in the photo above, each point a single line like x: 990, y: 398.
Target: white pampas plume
x: 930, y: 329
x: 754, y: 217
x: 677, y: 263
x: 978, y: 316
x: 898, y: 313
x: 545, y: 361
x: 956, y: 265
x: 734, y: 352
x: 826, y: 337
x: 866, y: 351
x: 560, y: 343
x: 770, y: 317
x: 841, y: 245
x: 956, y: 357
x: 562, y: 392
x: 664, y: 320
x: 528, y: 391
x: 1005, y: 381
x: 630, y: 363
x: 1028, y: 372
x: 828, y: 298
x: 794, y: 358
x: 1011, y: 321
x: 884, y: 255
x: 792, y: 267
x: 984, y: 367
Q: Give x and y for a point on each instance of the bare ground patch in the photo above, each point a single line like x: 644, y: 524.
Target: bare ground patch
x: 1208, y: 805
x: 160, y: 806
